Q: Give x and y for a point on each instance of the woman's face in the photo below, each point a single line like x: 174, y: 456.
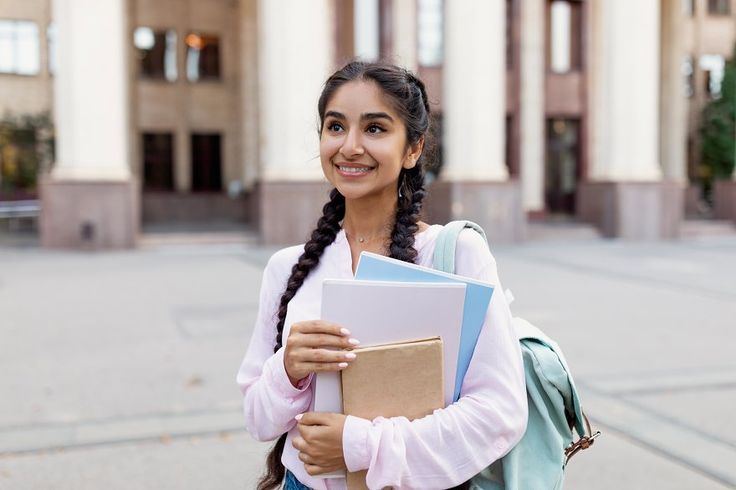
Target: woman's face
x: 363, y: 144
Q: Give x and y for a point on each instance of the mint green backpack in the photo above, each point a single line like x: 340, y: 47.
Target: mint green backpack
x: 538, y: 461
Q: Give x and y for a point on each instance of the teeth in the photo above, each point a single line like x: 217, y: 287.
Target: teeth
x: 354, y: 170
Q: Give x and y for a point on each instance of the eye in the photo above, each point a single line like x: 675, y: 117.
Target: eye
x: 374, y: 129
x: 334, y: 127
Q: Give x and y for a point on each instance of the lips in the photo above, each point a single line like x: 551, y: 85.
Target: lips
x: 352, y: 170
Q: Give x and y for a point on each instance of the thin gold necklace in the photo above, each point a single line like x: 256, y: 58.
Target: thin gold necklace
x: 364, y: 239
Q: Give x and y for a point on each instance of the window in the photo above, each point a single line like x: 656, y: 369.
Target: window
x: 564, y: 36
x: 688, y: 7
x: 203, y: 57
x: 429, y: 31
x: 714, y: 67
x: 156, y: 53
x: 51, y: 43
x: 158, y: 162
x: 206, y: 162
x: 19, y: 47
x: 719, y: 7
x: 688, y: 73
x: 367, y: 40
x: 510, y: 33
x: 562, y: 168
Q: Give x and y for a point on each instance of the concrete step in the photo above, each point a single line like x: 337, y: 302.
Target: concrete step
x: 697, y: 228
x: 561, y: 231
x: 200, y: 234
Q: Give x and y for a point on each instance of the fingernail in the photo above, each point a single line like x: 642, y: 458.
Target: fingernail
x: 350, y: 355
x: 354, y: 341
x: 299, y: 417
x: 343, y: 364
x: 345, y: 331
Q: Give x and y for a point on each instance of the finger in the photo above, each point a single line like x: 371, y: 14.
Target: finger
x: 324, y: 355
x: 306, y: 432
x: 313, y: 419
x: 299, y: 444
x: 326, y: 340
x: 321, y: 326
x: 306, y: 459
x: 313, y: 469
x: 322, y: 367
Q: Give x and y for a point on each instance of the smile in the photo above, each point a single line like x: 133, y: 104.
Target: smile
x: 352, y: 171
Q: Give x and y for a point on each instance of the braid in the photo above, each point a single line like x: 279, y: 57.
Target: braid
x: 411, y: 195
x: 327, y: 228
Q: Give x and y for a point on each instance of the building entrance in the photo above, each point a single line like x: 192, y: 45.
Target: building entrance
x: 562, y: 166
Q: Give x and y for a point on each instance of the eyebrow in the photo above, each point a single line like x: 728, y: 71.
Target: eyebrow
x: 364, y: 116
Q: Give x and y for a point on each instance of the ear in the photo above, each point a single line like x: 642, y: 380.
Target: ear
x: 413, y: 153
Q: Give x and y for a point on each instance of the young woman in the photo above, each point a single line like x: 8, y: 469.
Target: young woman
x: 374, y: 120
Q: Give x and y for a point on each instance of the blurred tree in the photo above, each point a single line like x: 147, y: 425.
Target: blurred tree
x: 718, y: 131
x: 26, y: 150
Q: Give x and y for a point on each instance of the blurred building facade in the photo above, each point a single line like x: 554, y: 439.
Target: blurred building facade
x: 185, y: 111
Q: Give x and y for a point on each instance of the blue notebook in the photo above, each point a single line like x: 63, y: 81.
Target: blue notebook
x: 373, y: 267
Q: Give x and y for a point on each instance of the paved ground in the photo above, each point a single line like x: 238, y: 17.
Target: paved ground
x: 117, y: 370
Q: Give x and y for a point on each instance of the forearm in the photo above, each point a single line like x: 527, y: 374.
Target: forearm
x: 270, y: 401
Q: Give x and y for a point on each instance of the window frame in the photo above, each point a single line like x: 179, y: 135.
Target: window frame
x: 167, y: 47
x: 577, y: 33
x: 188, y: 48
x: 719, y: 8
x: 14, y: 71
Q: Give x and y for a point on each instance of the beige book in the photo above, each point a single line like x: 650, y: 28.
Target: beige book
x: 392, y: 380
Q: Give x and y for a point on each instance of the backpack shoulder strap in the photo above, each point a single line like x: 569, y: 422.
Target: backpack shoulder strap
x: 444, y: 248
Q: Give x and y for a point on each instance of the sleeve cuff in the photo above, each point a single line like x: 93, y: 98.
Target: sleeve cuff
x: 277, y: 375
x: 355, y: 443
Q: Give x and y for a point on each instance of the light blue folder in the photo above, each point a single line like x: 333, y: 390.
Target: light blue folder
x: 372, y: 267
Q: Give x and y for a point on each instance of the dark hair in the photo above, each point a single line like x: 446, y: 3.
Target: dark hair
x: 408, y: 97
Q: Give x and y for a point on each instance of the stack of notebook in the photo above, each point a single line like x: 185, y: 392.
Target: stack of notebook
x: 388, y: 306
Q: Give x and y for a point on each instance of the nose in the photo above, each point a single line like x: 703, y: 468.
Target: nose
x: 352, y: 145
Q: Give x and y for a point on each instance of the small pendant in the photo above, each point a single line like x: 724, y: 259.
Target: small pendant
x: 361, y: 240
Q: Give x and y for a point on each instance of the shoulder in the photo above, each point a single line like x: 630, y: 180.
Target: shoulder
x: 471, y: 244
x: 278, y: 268
x: 473, y: 258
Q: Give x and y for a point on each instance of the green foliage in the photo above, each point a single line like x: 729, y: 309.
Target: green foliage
x: 718, y: 129
x: 26, y: 150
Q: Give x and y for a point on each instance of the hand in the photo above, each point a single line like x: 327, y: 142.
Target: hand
x: 310, y: 349
x: 320, y: 444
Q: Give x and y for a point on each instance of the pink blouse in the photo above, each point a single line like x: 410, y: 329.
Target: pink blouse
x: 438, y: 451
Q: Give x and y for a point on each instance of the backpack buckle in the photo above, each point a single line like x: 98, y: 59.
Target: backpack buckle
x: 583, y: 443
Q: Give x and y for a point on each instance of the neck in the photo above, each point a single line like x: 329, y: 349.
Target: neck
x: 369, y: 220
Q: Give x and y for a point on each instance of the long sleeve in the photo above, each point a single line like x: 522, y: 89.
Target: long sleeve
x: 453, y: 444
x: 270, y: 401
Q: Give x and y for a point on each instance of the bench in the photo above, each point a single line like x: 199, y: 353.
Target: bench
x: 14, y: 211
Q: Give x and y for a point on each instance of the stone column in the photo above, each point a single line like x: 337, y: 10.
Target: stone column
x: 249, y: 132
x: 673, y: 100
x: 624, y: 193
x: 90, y: 199
x: 295, y: 54
x: 531, y: 111
x: 404, y: 33
x: 475, y: 181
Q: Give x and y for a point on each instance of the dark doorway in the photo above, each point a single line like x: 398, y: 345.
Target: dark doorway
x: 158, y: 162
x: 562, y: 169
x: 206, y: 162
